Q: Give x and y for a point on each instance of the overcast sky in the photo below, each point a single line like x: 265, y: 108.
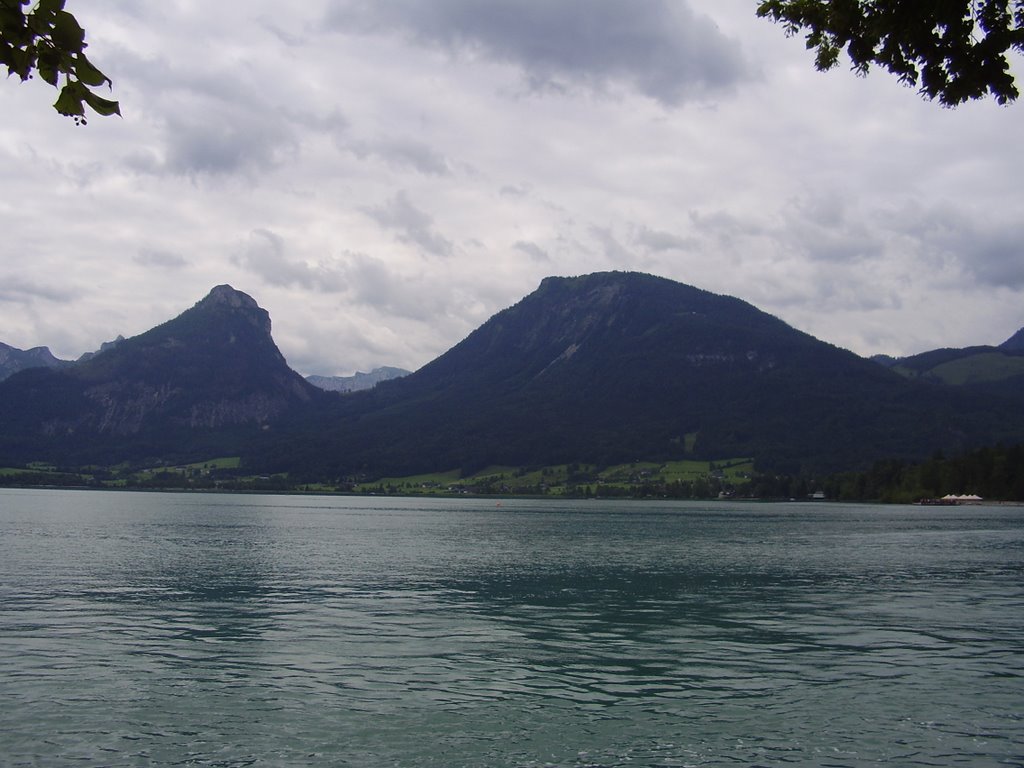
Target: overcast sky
x: 382, y: 176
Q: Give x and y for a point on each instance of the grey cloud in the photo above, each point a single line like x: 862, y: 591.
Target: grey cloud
x: 155, y: 257
x: 823, y: 289
x: 724, y: 226
x: 363, y: 279
x: 16, y: 290
x: 309, y: 354
x: 822, y: 226
x: 333, y: 123
x: 997, y: 259
x: 372, y: 282
x: 986, y: 250
x: 227, y: 146
x: 511, y: 190
x: 532, y: 250
x: 613, y: 250
x: 266, y: 256
x: 240, y: 137
x: 169, y: 79
x: 658, y: 240
x: 217, y: 147
x: 217, y: 126
x: 852, y: 290
x: 662, y: 48
x: 404, y: 153
x: 410, y: 225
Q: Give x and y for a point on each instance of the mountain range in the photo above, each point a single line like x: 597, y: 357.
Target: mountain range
x: 358, y: 381
x: 600, y: 368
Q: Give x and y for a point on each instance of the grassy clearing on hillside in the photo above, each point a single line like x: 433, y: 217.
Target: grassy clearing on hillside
x: 570, y: 479
x: 436, y: 482
x: 35, y: 467
x: 227, y: 462
x: 977, y: 369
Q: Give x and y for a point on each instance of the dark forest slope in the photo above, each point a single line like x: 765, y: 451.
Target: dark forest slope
x: 613, y: 367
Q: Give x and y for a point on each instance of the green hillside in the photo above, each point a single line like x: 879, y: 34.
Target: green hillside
x: 979, y: 369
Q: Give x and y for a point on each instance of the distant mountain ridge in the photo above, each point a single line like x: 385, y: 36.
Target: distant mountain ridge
x: 103, y: 348
x: 992, y: 369
x: 13, y: 360
x: 358, y: 381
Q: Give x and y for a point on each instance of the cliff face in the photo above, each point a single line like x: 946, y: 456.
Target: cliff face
x: 214, y: 367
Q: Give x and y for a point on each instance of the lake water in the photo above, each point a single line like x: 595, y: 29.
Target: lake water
x: 230, y: 630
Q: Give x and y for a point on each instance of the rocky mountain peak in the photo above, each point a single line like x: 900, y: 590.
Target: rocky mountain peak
x: 224, y: 297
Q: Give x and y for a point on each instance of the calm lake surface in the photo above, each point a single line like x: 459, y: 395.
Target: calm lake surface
x: 228, y: 630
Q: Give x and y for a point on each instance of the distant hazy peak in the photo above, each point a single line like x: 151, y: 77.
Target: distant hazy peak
x: 357, y: 382
x: 42, y: 352
x: 103, y: 348
x: 13, y: 359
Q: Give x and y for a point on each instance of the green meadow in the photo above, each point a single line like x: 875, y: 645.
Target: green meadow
x: 709, y: 477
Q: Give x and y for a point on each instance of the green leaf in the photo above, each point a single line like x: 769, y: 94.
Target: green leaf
x: 49, y: 6
x: 87, y: 73
x: 40, y: 22
x: 70, y: 100
x: 20, y: 62
x: 67, y: 33
x: 13, y: 27
x: 101, y: 106
x: 49, y: 65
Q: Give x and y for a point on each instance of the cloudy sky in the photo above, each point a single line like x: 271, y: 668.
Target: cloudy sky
x: 384, y: 175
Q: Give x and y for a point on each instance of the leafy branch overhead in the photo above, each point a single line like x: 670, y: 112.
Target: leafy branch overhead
x: 47, y: 40
x: 951, y: 50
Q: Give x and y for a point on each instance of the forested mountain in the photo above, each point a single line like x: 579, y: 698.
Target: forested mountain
x: 621, y: 366
x: 602, y: 368
x: 211, y: 379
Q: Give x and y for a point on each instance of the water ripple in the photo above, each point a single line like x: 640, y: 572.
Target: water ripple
x: 185, y: 630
